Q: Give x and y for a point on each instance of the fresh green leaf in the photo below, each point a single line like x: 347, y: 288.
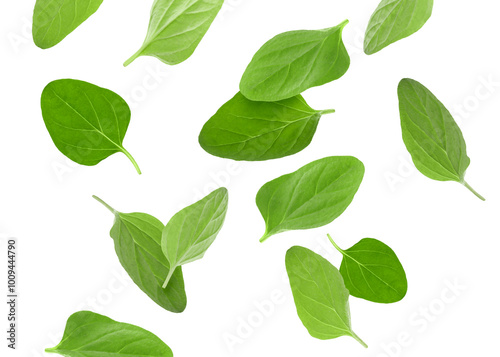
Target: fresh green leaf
x: 53, y: 20
x: 137, y: 238
x: 294, y: 61
x: 431, y: 135
x: 321, y: 299
x: 372, y: 271
x: 255, y: 131
x: 191, y: 231
x: 310, y: 197
x: 394, y: 20
x: 88, y: 334
x: 176, y: 28
x: 87, y: 123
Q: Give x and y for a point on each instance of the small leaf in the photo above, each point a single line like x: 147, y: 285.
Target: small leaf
x: 372, y: 271
x: 294, y: 61
x: 321, y: 299
x: 53, y: 20
x: 431, y: 135
x: 310, y: 197
x: 137, y: 238
x: 394, y: 20
x: 176, y: 28
x: 255, y: 131
x: 191, y: 231
x: 87, y: 123
x: 88, y: 334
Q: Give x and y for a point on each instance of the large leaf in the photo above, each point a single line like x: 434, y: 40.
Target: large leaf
x: 254, y: 131
x: 88, y: 334
x: 394, y: 20
x: 431, y: 135
x: 372, y: 271
x: 53, y: 20
x: 176, y: 28
x: 137, y: 238
x: 191, y: 231
x: 87, y: 123
x: 294, y: 61
x: 310, y: 197
x: 321, y: 299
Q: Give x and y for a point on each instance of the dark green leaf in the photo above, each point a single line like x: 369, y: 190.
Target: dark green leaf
x: 321, y: 299
x: 92, y: 335
x: 87, y: 123
x: 310, y: 197
x: 53, y: 20
x: 254, y: 131
x: 294, y: 61
x: 372, y: 271
x: 137, y: 238
x: 394, y: 20
x: 431, y: 135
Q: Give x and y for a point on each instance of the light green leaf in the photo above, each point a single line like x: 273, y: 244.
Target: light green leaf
x: 254, y: 131
x: 87, y: 123
x: 191, y: 231
x: 176, y: 28
x: 372, y: 271
x: 431, y: 135
x: 88, y: 334
x: 294, y: 61
x: 321, y: 299
x: 310, y: 197
x: 137, y: 238
x: 53, y: 20
x: 394, y: 20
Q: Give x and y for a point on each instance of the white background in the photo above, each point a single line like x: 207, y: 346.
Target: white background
x: 442, y: 233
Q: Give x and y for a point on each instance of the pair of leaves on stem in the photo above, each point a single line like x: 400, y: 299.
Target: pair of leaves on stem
x: 152, y: 254
x: 88, y: 334
x: 87, y: 123
x: 394, y: 20
x: 431, y: 135
x: 269, y: 118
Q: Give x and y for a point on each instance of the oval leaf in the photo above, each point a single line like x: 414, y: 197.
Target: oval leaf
x: 176, y: 28
x: 191, y: 231
x: 310, y: 197
x: 87, y: 123
x: 431, y: 135
x: 372, y: 271
x: 53, y: 20
x: 294, y: 61
x: 88, y: 334
x: 321, y: 299
x: 137, y: 238
x: 394, y: 20
x: 255, y: 131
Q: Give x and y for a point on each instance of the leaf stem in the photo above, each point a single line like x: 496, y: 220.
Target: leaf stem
x: 335, y: 244
x: 169, y: 276
x: 105, y: 204
x: 264, y: 238
x: 356, y: 337
x: 327, y: 111
x: 133, y: 58
x: 474, y: 191
x: 132, y: 159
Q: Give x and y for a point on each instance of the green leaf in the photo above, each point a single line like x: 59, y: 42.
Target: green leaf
x: 87, y: 123
x: 431, y: 135
x: 255, y: 131
x: 310, y: 197
x: 137, y: 238
x: 372, y: 271
x: 191, y: 231
x: 394, y: 20
x: 88, y: 334
x: 53, y: 20
x: 294, y: 61
x: 321, y: 299
x: 176, y: 28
